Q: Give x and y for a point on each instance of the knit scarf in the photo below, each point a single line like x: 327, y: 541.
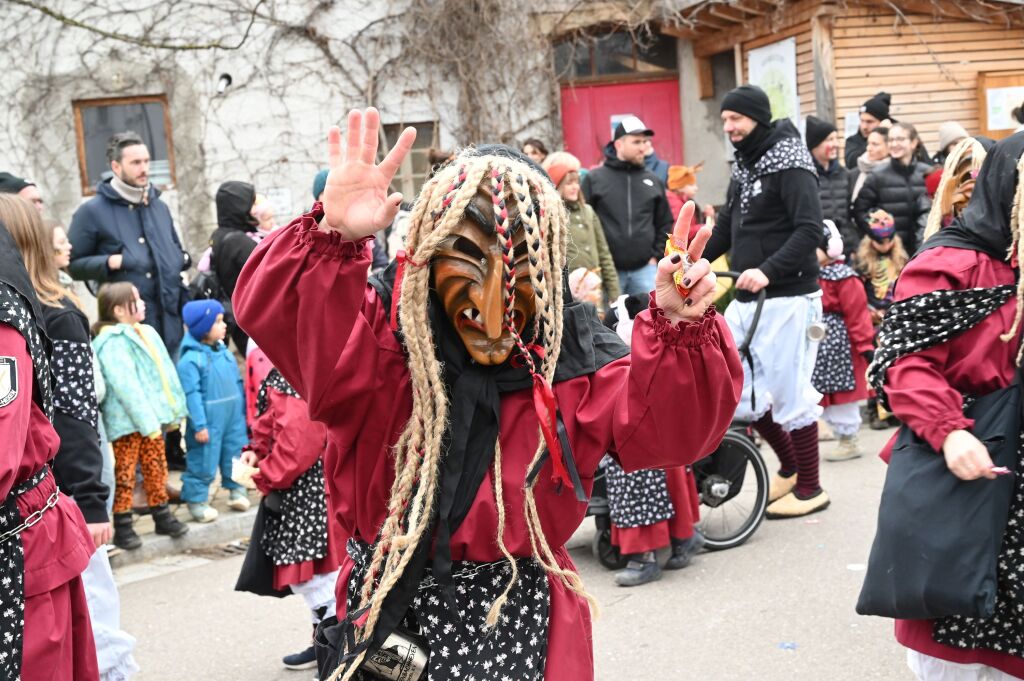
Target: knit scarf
x: 135, y: 195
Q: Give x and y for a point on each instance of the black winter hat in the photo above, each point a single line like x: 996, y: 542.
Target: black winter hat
x: 817, y: 131
x: 878, y: 106
x: 749, y: 100
x: 12, y: 184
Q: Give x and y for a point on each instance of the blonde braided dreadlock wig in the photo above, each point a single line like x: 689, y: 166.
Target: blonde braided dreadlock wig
x: 439, y: 208
x: 963, y: 162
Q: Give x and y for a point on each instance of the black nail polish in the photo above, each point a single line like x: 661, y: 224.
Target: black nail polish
x: 675, y: 258
x: 689, y: 302
x: 686, y: 282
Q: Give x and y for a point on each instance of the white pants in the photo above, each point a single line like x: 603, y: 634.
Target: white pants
x: 783, y: 360
x: 844, y: 418
x: 318, y: 593
x: 113, y: 646
x: 928, y: 668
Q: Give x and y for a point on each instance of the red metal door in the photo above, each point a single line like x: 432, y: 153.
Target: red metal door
x: 588, y: 112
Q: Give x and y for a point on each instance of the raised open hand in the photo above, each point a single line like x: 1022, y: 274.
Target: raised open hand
x: 698, y: 278
x: 355, y: 198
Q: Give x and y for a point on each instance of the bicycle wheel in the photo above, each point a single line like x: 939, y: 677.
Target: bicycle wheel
x: 733, y: 487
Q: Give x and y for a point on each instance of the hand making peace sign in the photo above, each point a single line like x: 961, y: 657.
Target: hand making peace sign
x: 699, y: 278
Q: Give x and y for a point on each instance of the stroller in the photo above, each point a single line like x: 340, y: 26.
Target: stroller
x: 732, y: 482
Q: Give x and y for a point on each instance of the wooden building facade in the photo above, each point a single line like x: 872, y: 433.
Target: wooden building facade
x: 937, y: 58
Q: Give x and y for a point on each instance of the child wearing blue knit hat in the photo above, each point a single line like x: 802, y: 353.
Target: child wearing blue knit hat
x: 216, y: 410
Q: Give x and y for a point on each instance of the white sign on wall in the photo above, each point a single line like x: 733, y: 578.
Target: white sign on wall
x: 281, y: 200
x: 773, y: 69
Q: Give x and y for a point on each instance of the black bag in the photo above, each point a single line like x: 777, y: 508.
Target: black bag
x: 257, y: 573
x: 938, y: 537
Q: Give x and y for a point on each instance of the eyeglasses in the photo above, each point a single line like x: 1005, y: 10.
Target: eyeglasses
x: 899, y: 139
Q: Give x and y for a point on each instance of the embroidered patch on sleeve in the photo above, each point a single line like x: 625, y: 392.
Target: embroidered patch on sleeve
x: 8, y: 380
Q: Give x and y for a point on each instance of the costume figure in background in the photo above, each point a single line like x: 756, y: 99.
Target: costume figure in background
x: 45, y: 631
x: 216, y: 410
x: 426, y: 486
x: 955, y: 331
x: 78, y: 465
x: 772, y: 225
x: 880, y: 259
x: 288, y: 448
x: 956, y: 183
x: 846, y: 350
x: 591, y: 268
x: 144, y: 399
x: 650, y: 509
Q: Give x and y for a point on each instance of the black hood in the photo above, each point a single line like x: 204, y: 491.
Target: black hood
x: 234, y: 206
x: 14, y: 274
x: 751, y: 148
x: 984, y: 224
x: 612, y: 160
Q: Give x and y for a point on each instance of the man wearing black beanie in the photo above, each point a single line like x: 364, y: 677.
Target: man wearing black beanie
x: 872, y: 113
x: 772, y: 223
x: 833, y: 179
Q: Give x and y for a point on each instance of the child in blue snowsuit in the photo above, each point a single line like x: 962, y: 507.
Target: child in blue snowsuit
x: 216, y: 410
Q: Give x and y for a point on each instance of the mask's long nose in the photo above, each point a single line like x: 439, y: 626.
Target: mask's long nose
x: 492, y: 306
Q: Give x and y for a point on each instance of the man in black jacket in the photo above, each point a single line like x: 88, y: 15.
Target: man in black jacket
x: 125, y: 233
x: 833, y: 180
x: 772, y: 222
x: 630, y: 201
x: 872, y: 113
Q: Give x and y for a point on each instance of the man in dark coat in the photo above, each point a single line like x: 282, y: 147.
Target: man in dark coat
x: 233, y: 244
x: 772, y: 223
x: 833, y: 179
x: 630, y: 200
x: 126, y: 233
x: 872, y: 113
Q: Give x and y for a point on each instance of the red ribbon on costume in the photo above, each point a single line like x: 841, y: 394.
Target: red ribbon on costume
x: 544, y: 405
x: 401, y: 258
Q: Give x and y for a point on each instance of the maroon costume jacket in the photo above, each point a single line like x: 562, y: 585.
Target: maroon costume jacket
x: 303, y: 296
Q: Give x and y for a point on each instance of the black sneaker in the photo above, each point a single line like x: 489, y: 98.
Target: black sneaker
x: 683, y: 551
x: 304, y: 660
x: 641, y: 569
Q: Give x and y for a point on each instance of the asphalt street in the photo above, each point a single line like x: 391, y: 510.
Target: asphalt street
x: 779, y: 608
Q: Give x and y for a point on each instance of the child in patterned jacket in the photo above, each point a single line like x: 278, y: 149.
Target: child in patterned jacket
x: 287, y: 449
x: 143, y: 400
x: 845, y: 352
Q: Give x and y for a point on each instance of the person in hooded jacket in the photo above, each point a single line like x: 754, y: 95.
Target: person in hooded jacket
x: 772, y: 222
x: 126, y: 233
x: 972, y: 263
x: 630, y: 201
x: 233, y: 244
x: 898, y: 187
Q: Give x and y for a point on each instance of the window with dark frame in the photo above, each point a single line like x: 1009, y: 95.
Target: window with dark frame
x: 615, y: 55
x: 414, y: 169
x: 96, y: 120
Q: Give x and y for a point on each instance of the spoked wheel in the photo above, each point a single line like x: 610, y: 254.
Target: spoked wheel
x: 733, y: 486
x: 606, y: 553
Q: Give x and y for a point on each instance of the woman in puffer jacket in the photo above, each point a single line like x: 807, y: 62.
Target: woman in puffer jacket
x: 898, y: 188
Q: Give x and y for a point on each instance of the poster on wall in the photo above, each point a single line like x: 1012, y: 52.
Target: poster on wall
x: 999, y: 94
x: 773, y: 69
x: 1000, y: 103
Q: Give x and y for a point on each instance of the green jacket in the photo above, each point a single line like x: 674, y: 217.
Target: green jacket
x: 588, y: 248
x: 143, y: 395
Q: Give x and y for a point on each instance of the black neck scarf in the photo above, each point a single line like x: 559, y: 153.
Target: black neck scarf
x: 474, y: 393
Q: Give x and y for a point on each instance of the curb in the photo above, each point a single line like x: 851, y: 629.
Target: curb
x: 227, y: 527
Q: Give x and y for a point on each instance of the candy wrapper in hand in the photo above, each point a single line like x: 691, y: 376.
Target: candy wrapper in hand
x: 672, y: 247
x: 242, y: 473
x: 585, y: 285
